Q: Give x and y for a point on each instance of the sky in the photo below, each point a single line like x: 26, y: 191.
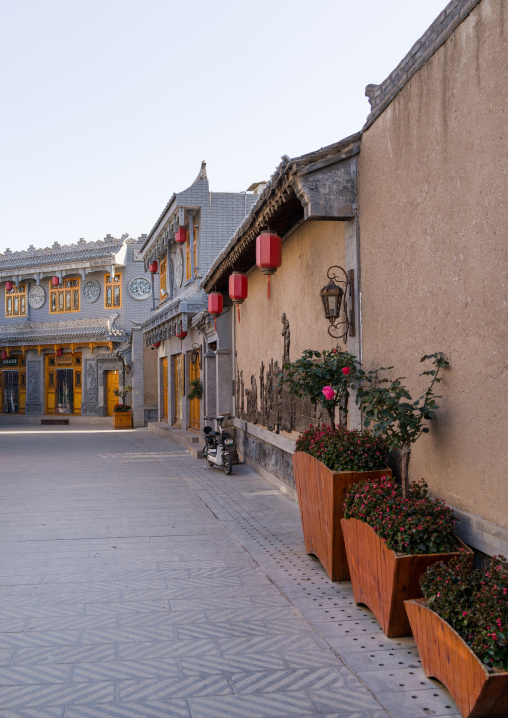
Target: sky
x: 109, y: 106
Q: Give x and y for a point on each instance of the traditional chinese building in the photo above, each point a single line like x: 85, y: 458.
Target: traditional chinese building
x: 193, y: 350
x: 70, y: 330
x: 415, y: 205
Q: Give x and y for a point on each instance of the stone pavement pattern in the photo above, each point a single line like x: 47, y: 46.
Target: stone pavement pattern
x: 135, y: 582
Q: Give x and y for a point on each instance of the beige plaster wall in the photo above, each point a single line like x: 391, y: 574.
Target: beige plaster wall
x: 295, y: 287
x: 433, y: 224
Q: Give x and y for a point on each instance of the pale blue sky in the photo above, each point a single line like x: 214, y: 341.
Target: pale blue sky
x: 109, y: 107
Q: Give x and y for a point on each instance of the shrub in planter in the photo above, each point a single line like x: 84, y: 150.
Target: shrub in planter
x: 474, y: 603
x: 390, y: 541
x: 343, y: 450
x: 326, y: 463
x: 418, y: 524
x: 461, y: 633
x: 121, y: 407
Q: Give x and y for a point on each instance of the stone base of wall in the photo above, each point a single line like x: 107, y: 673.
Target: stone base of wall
x: 268, y: 453
x: 151, y: 415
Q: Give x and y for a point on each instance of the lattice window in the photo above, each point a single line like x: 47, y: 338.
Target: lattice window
x: 113, y: 290
x: 65, y: 298
x: 15, y: 302
x: 164, y: 278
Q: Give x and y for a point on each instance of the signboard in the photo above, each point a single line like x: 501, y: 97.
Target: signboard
x: 11, y: 361
x: 64, y: 360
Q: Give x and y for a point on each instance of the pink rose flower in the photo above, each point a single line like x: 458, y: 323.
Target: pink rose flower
x: 328, y: 392
x: 346, y: 370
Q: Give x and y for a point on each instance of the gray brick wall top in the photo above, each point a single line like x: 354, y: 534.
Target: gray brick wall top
x: 443, y: 26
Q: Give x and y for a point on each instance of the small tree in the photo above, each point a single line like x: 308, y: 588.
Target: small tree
x: 122, y: 393
x: 393, y: 412
x: 332, y: 370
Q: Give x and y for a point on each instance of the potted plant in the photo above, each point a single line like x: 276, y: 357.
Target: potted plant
x: 390, y: 541
x: 196, y: 389
x: 122, y: 413
x: 460, y: 629
x: 394, y: 414
x: 327, y: 462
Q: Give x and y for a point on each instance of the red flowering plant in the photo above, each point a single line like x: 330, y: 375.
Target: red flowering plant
x: 325, y: 377
x: 414, y: 525
x: 343, y: 450
x: 122, y: 393
x: 474, y: 603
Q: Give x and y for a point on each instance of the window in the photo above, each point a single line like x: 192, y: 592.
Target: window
x: 64, y: 298
x: 15, y: 302
x: 188, y: 273
x: 113, y: 290
x: 164, y: 278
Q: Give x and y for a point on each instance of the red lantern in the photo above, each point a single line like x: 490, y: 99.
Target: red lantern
x: 238, y: 289
x: 153, y: 267
x: 181, y: 235
x: 268, y: 254
x: 59, y: 352
x: 55, y: 281
x: 3, y: 354
x: 215, y: 305
x: 156, y: 344
x: 181, y: 335
x: 8, y: 288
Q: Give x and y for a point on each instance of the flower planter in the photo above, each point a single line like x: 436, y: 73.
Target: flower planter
x: 321, y: 500
x: 122, y: 419
x: 478, y: 691
x: 382, y: 579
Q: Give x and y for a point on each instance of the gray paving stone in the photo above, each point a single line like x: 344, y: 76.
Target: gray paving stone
x: 175, y: 591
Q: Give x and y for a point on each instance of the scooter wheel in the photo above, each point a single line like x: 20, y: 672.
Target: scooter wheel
x: 227, y: 462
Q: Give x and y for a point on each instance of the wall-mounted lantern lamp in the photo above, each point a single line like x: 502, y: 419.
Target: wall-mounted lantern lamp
x: 194, y: 355
x: 336, y: 296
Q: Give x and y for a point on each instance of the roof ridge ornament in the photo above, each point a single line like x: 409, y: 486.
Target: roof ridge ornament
x: 202, y: 173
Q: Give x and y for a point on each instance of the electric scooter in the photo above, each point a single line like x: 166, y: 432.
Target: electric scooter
x: 218, y: 446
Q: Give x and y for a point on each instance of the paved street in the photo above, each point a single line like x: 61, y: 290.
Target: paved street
x: 135, y: 582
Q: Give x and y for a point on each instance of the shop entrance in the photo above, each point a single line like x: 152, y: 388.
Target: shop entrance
x: 165, y: 397
x: 194, y: 404
x: 112, y: 383
x: 179, y: 388
x: 64, y: 391
x: 10, y: 392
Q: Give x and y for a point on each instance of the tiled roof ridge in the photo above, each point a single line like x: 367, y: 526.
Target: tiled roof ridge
x: 80, y: 245
x: 286, y: 165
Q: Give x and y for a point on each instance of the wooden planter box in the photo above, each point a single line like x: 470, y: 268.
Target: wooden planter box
x: 478, y: 691
x: 382, y: 579
x: 321, y: 499
x: 122, y: 419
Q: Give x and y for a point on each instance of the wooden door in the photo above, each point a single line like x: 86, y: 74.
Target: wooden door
x: 179, y: 388
x: 50, y: 384
x: 165, y: 397
x: 194, y: 404
x: 112, y: 383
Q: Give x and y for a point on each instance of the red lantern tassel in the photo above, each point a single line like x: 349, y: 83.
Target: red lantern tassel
x: 268, y: 286
x: 238, y: 314
x: 215, y: 324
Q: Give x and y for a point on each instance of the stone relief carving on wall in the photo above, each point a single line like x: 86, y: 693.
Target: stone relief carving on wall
x: 91, y: 291
x: 33, y: 384
x: 140, y: 288
x: 91, y: 381
x: 278, y: 410
x: 36, y: 297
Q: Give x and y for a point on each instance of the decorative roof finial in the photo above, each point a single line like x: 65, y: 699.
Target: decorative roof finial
x: 202, y: 173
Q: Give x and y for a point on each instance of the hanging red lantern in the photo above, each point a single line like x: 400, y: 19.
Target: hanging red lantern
x: 181, y: 235
x: 55, y: 281
x: 238, y: 289
x: 268, y: 254
x: 59, y: 352
x: 156, y: 344
x: 215, y: 306
x: 8, y: 286
x: 153, y: 267
x: 3, y: 354
x: 181, y: 335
